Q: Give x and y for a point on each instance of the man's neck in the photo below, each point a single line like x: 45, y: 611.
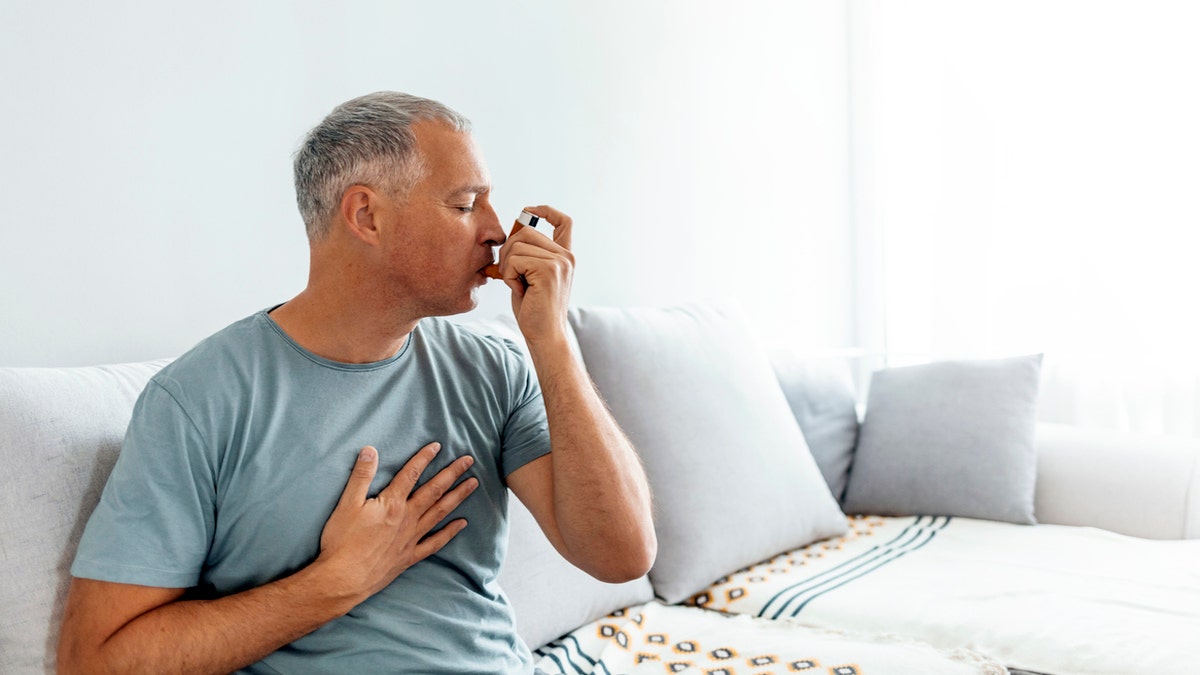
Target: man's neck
x: 341, y: 331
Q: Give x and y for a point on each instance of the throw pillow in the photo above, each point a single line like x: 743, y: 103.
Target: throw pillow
x: 949, y: 438
x: 821, y: 394
x: 732, y: 479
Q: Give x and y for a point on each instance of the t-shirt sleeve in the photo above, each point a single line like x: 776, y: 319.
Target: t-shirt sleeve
x: 526, y: 432
x: 154, y: 523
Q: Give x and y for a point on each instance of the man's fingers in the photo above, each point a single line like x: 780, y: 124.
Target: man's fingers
x: 561, y: 222
x: 525, y: 242
x: 434, y: 542
x: 360, y: 477
x: 441, y: 508
x: 516, y: 285
x: 517, y: 259
x: 523, y: 259
x: 530, y: 250
x: 410, y: 474
x: 433, y: 489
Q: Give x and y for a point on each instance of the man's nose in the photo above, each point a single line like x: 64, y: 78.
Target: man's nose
x: 495, y: 233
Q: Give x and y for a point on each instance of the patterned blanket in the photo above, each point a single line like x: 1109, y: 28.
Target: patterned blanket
x: 661, y: 639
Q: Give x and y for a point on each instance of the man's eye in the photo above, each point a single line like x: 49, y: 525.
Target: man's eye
x: 466, y: 209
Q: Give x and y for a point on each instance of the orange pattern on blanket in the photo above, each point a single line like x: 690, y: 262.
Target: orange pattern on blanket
x: 699, y: 655
x: 720, y: 660
x: 723, y: 592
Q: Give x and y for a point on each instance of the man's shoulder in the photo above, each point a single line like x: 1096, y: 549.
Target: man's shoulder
x: 214, y: 357
x: 488, y: 335
x: 492, y: 340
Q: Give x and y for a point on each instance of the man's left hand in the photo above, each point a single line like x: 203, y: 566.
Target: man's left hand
x: 539, y: 270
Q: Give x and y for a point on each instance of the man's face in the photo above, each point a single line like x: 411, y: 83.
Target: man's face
x: 437, y: 243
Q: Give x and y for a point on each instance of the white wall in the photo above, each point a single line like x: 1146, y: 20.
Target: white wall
x: 1028, y: 170
x: 145, y: 153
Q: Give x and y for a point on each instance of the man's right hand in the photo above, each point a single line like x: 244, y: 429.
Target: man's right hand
x: 368, y: 542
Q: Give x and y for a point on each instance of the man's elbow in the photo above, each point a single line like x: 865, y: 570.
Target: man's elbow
x: 628, y: 562
x: 72, y: 656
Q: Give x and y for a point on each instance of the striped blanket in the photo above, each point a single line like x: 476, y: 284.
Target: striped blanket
x: 920, y: 595
x: 784, y: 586
x: 1045, y: 598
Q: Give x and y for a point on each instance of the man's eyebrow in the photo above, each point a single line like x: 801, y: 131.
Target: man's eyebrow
x: 471, y: 190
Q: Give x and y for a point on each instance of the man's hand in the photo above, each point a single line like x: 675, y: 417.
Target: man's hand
x: 367, y: 543
x: 122, y: 628
x: 539, y: 271
x: 589, y: 495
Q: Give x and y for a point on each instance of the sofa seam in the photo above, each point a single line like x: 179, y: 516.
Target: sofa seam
x: 1190, y: 499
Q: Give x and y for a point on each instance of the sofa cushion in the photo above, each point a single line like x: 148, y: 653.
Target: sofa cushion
x: 820, y: 391
x: 949, y: 438
x: 732, y: 478
x: 60, y: 431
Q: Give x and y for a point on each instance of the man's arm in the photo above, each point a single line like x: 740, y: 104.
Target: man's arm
x: 589, y: 495
x: 366, y: 543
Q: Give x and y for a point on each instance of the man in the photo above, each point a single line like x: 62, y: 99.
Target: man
x: 229, y: 537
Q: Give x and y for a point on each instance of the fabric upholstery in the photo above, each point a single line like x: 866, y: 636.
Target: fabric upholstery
x: 1142, y: 485
x: 698, y: 398
x: 820, y: 392
x: 60, y: 431
x: 949, y: 438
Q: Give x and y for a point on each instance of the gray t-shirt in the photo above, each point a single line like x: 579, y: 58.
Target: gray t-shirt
x: 239, y: 450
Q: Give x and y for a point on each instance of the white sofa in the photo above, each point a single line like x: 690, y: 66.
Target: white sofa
x: 1107, y: 581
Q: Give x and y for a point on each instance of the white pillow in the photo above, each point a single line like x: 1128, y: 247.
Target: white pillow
x: 732, y: 479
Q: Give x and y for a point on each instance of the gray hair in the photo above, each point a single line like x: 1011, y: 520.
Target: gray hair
x: 364, y: 141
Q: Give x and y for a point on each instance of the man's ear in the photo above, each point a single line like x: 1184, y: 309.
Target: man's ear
x: 358, y: 213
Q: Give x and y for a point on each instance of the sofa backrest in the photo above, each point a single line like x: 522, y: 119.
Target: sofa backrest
x: 60, y: 431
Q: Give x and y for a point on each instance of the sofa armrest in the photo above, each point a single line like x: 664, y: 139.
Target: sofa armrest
x: 1141, y: 485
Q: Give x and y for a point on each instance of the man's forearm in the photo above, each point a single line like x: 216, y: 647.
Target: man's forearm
x: 601, y: 500
x: 211, y: 636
